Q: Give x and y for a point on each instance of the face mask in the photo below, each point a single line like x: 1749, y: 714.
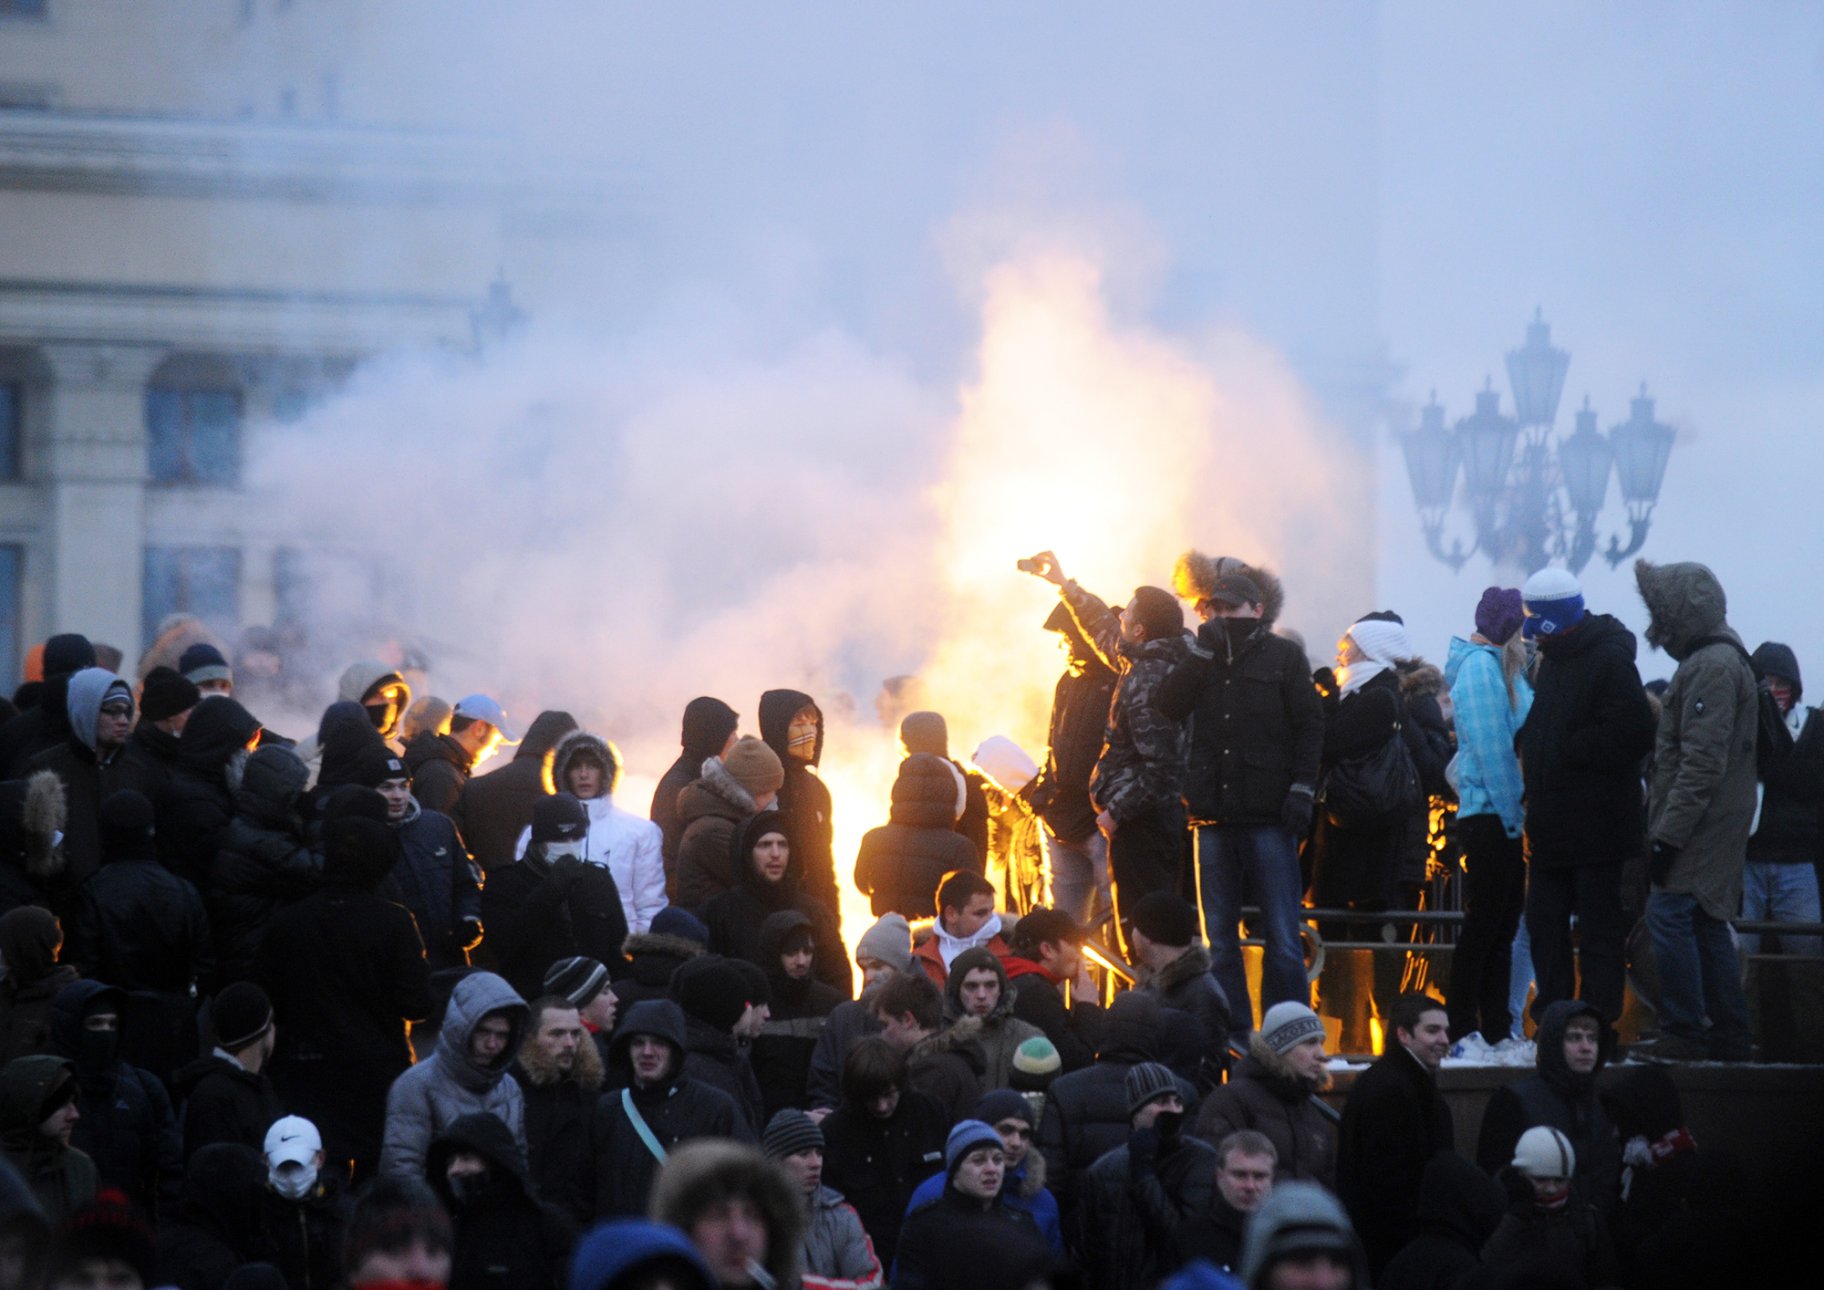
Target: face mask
x: 1239, y: 629
x: 96, y: 1050
x: 466, y: 1189
x: 294, y: 1183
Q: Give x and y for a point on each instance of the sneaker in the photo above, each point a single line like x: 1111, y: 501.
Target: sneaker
x: 1515, y: 1052
x: 1472, y: 1050
x: 1670, y: 1048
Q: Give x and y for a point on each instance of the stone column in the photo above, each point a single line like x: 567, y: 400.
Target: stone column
x: 93, y: 470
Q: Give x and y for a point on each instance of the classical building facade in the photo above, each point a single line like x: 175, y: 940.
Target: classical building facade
x: 184, y: 267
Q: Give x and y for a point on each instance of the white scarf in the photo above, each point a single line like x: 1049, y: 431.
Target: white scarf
x: 949, y: 946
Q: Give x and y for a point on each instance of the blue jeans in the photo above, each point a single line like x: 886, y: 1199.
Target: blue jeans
x: 1780, y: 893
x: 1079, y: 875
x: 1698, y: 972
x: 1236, y: 864
x: 1521, y: 983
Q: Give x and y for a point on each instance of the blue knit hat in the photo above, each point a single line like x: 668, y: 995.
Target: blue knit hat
x: 1554, y: 602
x: 674, y: 920
x: 617, y: 1248
x: 964, y: 1138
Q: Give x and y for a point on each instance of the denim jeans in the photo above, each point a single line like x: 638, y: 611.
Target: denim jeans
x: 1780, y: 893
x: 1521, y: 982
x: 1236, y: 865
x: 1079, y: 875
x: 1699, y: 975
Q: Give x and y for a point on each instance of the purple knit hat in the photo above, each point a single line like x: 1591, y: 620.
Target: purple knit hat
x: 1499, y: 614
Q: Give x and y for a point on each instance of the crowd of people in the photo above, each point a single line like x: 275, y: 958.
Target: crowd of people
x: 342, y: 1011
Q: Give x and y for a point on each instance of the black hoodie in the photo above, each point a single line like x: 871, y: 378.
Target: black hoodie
x: 675, y: 1109
x: 707, y: 725
x: 505, y: 1236
x: 1459, y: 1208
x: 804, y: 798
x: 782, y: 1051
x: 1566, y: 1101
x: 127, y: 1127
x: 734, y: 917
x: 215, y: 1225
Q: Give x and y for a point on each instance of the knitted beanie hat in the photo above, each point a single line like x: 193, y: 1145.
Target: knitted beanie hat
x: 240, y: 1015
x: 204, y: 662
x: 1288, y: 1025
x: 1002, y: 1104
x: 754, y: 766
x: 925, y: 732
x: 1554, y: 602
x: 1165, y: 918
x: 966, y: 1137
x: 789, y: 1132
x: 165, y: 693
x: 1499, y: 614
x: 577, y: 980
x: 1146, y: 1081
x: 1035, y: 1064
x: 674, y: 920
x: 889, y: 941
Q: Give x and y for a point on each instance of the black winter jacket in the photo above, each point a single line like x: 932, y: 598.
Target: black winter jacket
x: 935, y: 1239
x: 1459, y: 1208
x: 139, y: 926
x: 651, y: 960
x: 1086, y: 1110
x: 1079, y: 716
x: 496, y: 806
x: 900, y: 864
x: 87, y: 783
x: 560, y: 1125
x: 804, y: 798
x: 194, y: 806
x: 224, y: 1102
x: 438, y: 884
x: 127, y: 1126
x: 1582, y: 746
x: 1394, y: 1122
x: 215, y: 1225
x: 304, y: 1237
x: 1075, y: 1031
x: 1360, y: 866
x: 782, y: 1051
x: 536, y: 916
x: 264, y: 863
x: 1256, y: 727
x: 676, y: 1109
x: 1264, y: 1094
x: 1186, y: 984
x: 1791, y: 828
x: 878, y: 1164
x: 1136, y: 1198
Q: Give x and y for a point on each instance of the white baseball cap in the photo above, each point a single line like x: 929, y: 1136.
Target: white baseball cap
x: 292, y: 1140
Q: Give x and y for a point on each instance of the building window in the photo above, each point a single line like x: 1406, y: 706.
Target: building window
x: 200, y: 580
x: 12, y: 413
x: 22, y: 8
x: 12, y: 564
x: 194, y: 433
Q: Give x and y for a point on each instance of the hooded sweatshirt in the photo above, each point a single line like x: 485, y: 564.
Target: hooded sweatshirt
x: 434, y: 1094
x: 90, y: 777
x: 708, y: 723
x: 803, y: 797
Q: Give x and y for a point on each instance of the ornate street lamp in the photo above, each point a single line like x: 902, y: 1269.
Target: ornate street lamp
x: 1532, y: 503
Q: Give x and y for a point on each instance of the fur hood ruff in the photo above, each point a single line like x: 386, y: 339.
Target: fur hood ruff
x: 543, y: 1072
x: 1281, y: 1069
x: 1188, y: 966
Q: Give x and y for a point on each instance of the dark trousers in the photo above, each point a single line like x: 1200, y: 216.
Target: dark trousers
x: 1144, y: 855
x: 1593, y: 893
x: 1481, y: 966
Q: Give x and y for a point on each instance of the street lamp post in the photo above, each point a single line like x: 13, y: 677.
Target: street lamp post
x: 1532, y: 501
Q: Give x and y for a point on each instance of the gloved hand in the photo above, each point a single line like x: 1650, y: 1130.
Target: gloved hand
x: 1142, y: 1151
x: 469, y: 933
x: 565, y: 870
x: 1659, y: 862
x: 1295, y: 815
x: 1213, y: 638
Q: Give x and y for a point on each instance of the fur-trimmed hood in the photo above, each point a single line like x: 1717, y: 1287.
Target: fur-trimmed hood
x: 716, y: 793
x: 32, y: 813
x: 1195, y: 573
x: 580, y: 743
x: 681, y: 948
x: 1032, y: 1177
x: 1188, y: 966
x: 704, y: 1172
x: 962, y: 1037
x: 542, y: 1072
x: 1264, y: 1064
x: 1419, y: 678
x: 1685, y: 603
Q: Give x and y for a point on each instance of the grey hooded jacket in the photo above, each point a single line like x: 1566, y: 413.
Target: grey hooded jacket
x: 435, y: 1093
x: 88, y: 779
x: 837, y: 1253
